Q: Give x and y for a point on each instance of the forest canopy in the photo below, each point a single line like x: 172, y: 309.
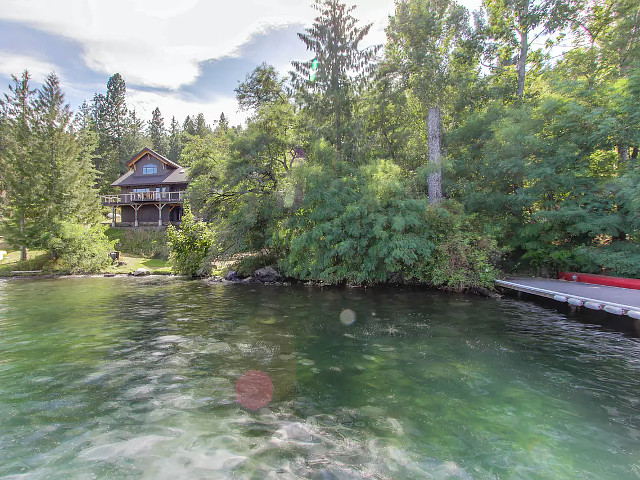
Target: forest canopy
x: 471, y: 142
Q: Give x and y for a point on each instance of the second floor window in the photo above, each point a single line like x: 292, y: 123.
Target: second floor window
x: 149, y: 169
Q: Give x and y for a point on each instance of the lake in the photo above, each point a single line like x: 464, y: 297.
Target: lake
x: 161, y: 378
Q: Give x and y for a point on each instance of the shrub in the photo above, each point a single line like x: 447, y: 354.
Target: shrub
x: 144, y: 243
x: 365, y: 227
x: 464, y: 256
x: 81, y: 249
x: 189, y: 246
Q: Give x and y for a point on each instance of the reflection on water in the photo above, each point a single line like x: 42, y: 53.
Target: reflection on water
x: 160, y: 378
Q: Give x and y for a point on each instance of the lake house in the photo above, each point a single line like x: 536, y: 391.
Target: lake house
x: 151, y: 192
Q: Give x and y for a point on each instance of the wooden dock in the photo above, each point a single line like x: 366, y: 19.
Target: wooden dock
x: 613, y: 300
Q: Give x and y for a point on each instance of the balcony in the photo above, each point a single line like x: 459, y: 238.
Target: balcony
x: 138, y: 198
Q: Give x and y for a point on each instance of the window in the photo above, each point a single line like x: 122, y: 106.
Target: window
x: 149, y: 169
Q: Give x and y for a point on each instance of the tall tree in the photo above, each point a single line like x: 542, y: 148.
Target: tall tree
x: 55, y: 145
x: 112, y: 124
x: 519, y: 23
x: 422, y: 38
x: 326, y: 84
x: 157, y: 133
x: 188, y: 126
x: 201, y: 127
x: 175, y: 141
x: 23, y: 179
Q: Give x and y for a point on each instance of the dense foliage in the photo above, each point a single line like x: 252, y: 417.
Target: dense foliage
x: 81, y: 249
x: 47, y: 173
x: 189, y: 246
x: 148, y: 243
x: 504, y: 138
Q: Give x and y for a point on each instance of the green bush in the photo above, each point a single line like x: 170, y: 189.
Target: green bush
x: 81, y: 249
x: 189, y: 246
x: 143, y: 243
x: 365, y: 227
x: 464, y: 256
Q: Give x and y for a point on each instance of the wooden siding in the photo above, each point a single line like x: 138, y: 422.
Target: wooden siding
x: 148, y: 214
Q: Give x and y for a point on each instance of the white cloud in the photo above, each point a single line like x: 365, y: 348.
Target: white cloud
x: 159, y: 43
x: 171, y: 104
x: 13, y: 64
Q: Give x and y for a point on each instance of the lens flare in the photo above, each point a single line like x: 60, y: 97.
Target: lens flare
x: 254, y: 390
x: 347, y: 317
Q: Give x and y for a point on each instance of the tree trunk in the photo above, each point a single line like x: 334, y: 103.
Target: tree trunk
x: 434, y: 181
x: 23, y: 249
x: 522, y: 62
x: 634, y: 154
x: 623, y: 153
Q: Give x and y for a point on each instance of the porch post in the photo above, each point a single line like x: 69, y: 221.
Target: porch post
x: 113, y: 216
x: 160, y: 207
x: 135, y: 222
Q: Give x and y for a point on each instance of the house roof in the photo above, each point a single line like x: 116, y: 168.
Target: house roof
x: 172, y: 175
x: 179, y: 175
x: 156, y: 155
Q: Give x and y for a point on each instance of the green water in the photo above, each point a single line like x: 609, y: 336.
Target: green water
x: 126, y: 378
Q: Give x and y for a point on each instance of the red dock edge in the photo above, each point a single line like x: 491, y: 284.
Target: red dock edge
x: 632, y: 283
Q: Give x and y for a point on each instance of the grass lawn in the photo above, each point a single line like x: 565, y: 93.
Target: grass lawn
x: 132, y: 263
x: 40, y: 260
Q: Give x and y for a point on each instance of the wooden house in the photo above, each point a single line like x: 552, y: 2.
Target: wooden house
x: 151, y: 192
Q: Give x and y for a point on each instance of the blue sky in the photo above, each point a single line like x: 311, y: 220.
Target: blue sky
x: 183, y: 56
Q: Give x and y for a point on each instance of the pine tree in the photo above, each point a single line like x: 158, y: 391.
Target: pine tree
x: 157, y: 133
x: 24, y: 181
x: 326, y: 84
x: 55, y: 147
x: 111, y: 122
x: 201, y: 127
x: 188, y: 126
x: 223, y: 124
x: 175, y: 141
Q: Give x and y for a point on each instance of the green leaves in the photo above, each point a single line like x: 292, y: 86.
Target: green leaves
x: 366, y: 227
x: 189, y: 246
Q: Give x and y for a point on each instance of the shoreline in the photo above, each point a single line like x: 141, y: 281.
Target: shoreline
x: 476, y: 291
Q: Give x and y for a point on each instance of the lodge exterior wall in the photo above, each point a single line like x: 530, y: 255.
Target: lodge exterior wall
x: 148, y: 214
x: 151, y: 198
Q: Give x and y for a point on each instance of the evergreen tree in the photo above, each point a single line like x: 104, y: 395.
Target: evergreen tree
x: 134, y: 139
x: 157, y: 133
x: 326, y: 85
x: 175, y: 141
x: 112, y: 122
x: 23, y: 178
x: 223, y: 124
x: 188, y: 126
x: 55, y: 145
x: 201, y: 127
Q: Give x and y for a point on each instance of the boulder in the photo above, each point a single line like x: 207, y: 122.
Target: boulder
x: 267, y: 274
x: 231, y: 276
x: 141, y: 272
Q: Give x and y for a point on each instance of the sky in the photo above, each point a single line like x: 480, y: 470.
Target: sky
x: 183, y: 56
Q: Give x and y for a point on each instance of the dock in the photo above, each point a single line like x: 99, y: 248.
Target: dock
x: 613, y: 300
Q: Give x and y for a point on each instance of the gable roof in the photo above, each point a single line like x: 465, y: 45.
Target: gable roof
x: 129, y: 179
x: 156, y: 155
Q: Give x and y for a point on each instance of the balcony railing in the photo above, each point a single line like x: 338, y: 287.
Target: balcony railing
x: 141, y: 197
